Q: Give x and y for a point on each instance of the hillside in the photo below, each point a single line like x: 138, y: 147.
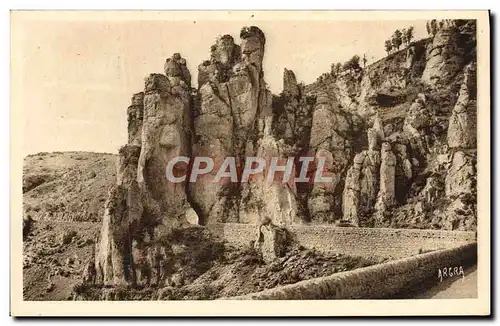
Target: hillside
x: 69, y: 186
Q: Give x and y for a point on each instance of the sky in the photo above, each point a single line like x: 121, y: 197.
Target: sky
x: 78, y: 76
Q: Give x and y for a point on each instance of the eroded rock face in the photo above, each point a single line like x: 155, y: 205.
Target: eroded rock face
x: 462, y: 125
x: 224, y: 55
x: 286, y: 136
x: 444, y: 55
x: 290, y: 86
x: 233, y: 102
x: 233, y: 114
x: 271, y: 241
x: 460, y: 188
x: 348, y: 89
x: 135, y: 114
x: 372, y: 182
x: 363, y: 179
x: 142, y: 199
x: 166, y: 133
x: 329, y: 141
x: 416, y: 125
x: 350, y: 197
x: 403, y: 171
x: 410, y: 57
x: 461, y: 175
x: 387, y: 193
x: 123, y: 212
x: 177, y: 71
x: 460, y: 181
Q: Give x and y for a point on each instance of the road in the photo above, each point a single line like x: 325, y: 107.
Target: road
x: 453, y: 288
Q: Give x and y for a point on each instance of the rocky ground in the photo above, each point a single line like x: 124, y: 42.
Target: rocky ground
x: 55, y: 254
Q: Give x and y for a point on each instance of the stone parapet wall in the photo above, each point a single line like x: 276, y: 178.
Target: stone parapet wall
x: 364, y: 242
x: 381, y: 281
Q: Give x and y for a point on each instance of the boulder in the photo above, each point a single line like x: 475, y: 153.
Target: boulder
x: 271, y: 241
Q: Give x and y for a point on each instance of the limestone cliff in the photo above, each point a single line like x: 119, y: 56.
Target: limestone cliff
x: 445, y: 55
x: 233, y: 102
x: 397, y: 139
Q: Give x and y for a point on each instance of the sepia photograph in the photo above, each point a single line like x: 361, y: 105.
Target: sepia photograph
x: 231, y: 163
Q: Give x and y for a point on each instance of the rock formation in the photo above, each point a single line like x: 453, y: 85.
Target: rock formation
x: 370, y: 189
x: 445, y: 56
x: 460, y: 182
x: 286, y: 137
x: 142, y: 199
x: 387, y: 193
x: 380, y: 132
x: 234, y: 99
x: 417, y: 125
x: 135, y: 115
x: 462, y: 128
x: 271, y: 241
x: 166, y: 134
x: 330, y: 140
x: 123, y: 210
x: 362, y: 180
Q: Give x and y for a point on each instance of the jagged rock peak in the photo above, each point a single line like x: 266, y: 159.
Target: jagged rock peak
x: 253, y: 31
x: 375, y: 134
x: 290, y: 86
x: 225, y: 51
x: 156, y: 82
x: 252, y: 45
x: 135, y: 114
x: 176, y: 70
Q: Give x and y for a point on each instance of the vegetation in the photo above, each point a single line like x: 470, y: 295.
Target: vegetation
x: 398, y: 38
x: 336, y: 69
x: 352, y: 64
x: 432, y: 27
x: 407, y: 35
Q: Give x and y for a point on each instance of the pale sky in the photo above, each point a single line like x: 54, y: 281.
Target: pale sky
x: 79, y: 76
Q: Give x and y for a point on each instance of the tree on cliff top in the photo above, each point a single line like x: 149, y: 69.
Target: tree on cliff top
x: 352, y: 64
x: 409, y: 34
x: 397, y: 39
x: 432, y: 27
x: 388, y: 46
x: 335, y: 69
x: 403, y: 36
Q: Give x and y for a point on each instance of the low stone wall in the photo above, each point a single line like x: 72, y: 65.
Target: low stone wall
x: 374, y: 282
x: 364, y: 242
